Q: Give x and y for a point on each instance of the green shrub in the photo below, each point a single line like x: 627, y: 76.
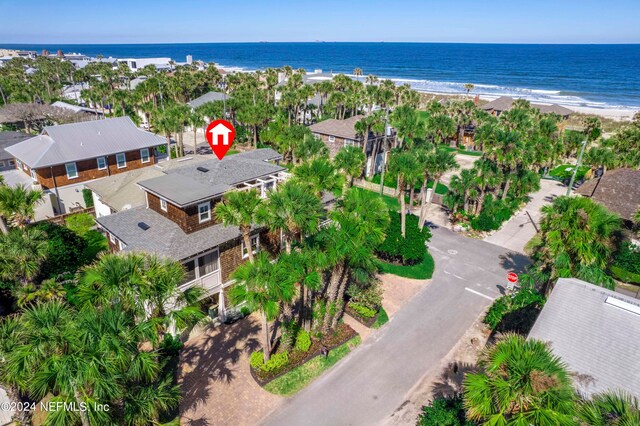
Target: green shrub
x: 303, y: 341
x: 276, y: 362
x: 171, y: 346
x: 627, y: 258
x: 494, y: 213
x: 256, y: 360
x: 87, y: 195
x: 408, y: 250
x: 624, y: 275
x: 369, y: 295
x: 80, y: 223
x: 515, y: 312
x: 363, y: 311
x: 65, y: 250
x: 444, y: 412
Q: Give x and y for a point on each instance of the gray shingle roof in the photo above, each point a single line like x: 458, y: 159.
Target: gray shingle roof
x: 618, y: 190
x: 8, y: 139
x: 341, y: 128
x: 504, y: 103
x: 208, y: 97
x: 79, y: 141
x: 164, y: 237
x: 598, y: 341
x: 187, y: 185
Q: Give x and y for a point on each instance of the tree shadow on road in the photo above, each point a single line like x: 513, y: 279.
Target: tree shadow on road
x: 213, y: 357
x: 450, y: 382
x: 515, y: 262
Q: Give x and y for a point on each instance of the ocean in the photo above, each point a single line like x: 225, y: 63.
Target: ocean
x: 600, y: 76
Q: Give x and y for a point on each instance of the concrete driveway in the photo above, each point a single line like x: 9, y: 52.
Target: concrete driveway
x: 516, y: 233
x: 375, y: 380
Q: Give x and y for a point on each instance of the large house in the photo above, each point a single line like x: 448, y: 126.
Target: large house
x: 178, y: 220
x: 7, y: 139
x: 505, y: 103
x: 618, y: 190
x: 594, y: 331
x: 337, y: 134
x: 72, y: 153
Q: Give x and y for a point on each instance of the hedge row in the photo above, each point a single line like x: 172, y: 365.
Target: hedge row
x: 408, y: 250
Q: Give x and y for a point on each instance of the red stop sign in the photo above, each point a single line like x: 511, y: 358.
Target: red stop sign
x: 512, y: 277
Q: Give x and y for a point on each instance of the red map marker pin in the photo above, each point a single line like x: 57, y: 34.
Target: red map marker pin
x: 220, y: 135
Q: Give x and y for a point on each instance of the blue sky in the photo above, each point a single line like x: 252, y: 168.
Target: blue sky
x: 480, y: 21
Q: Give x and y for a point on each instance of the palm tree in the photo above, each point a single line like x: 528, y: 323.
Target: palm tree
x: 239, y: 208
x: 405, y: 168
x: 292, y: 211
x: 599, y: 156
x: 351, y: 161
x: 440, y: 162
x: 262, y: 285
x: 577, y: 239
x: 407, y: 123
x: 521, y: 383
x: 319, y: 174
x: 468, y: 87
x: 196, y: 121
x: 611, y: 409
x: 17, y: 205
x: 21, y: 254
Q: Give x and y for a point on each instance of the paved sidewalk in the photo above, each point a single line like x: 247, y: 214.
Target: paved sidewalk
x: 517, y: 232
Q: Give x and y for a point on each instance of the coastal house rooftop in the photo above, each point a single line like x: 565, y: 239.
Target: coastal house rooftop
x: 341, y: 128
x: 594, y: 331
x: 194, y: 182
x: 618, y: 190
x: 208, y: 97
x: 505, y: 103
x: 78, y: 141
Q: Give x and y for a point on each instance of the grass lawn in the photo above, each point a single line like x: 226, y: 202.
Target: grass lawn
x: 421, y: 271
x: 96, y: 243
x: 382, y: 319
x: 391, y: 182
x: 392, y: 202
x: 301, y: 376
x: 464, y: 152
x: 566, y: 170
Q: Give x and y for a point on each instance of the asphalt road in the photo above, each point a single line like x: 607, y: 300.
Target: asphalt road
x: 372, y: 382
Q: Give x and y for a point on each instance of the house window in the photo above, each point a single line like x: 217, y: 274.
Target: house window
x: 255, y: 246
x: 112, y: 238
x: 204, y: 212
x: 1, y: 163
x: 349, y: 142
x: 72, y: 170
x: 332, y: 138
x: 163, y: 204
x: 208, y: 263
x: 144, y: 155
x: 121, y: 160
x: 19, y: 163
x: 33, y: 175
x: 190, y: 271
x: 102, y: 163
x: 12, y: 163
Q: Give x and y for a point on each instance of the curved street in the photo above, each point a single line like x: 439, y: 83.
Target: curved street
x: 374, y: 381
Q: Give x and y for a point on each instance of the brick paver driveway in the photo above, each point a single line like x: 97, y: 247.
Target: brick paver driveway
x: 217, y: 387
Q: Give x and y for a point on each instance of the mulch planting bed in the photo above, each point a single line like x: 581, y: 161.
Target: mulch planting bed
x: 366, y: 321
x: 342, y: 334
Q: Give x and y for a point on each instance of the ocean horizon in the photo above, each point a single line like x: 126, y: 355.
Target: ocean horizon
x: 580, y: 75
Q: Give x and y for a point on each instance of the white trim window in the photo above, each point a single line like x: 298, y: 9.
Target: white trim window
x: 255, y: 246
x: 331, y: 138
x: 33, y: 175
x: 163, y: 204
x: 102, y: 163
x: 349, y: 142
x: 72, y: 170
x: 121, y: 160
x: 112, y: 238
x: 144, y: 155
x: 204, y: 212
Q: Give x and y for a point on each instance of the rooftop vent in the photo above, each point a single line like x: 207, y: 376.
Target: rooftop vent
x: 202, y: 169
x: 629, y: 307
x: 143, y: 226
